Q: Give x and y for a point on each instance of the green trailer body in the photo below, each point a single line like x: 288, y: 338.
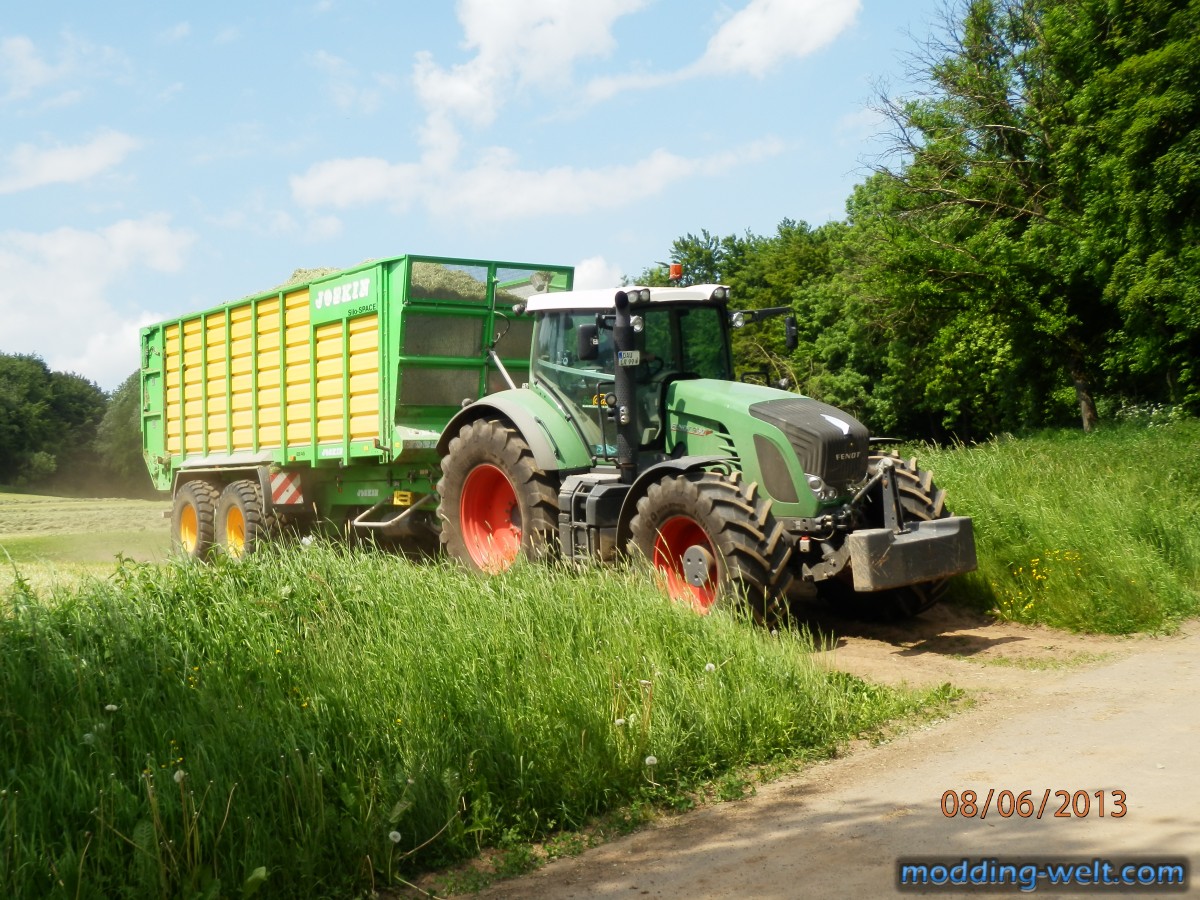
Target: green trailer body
x: 333, y: 391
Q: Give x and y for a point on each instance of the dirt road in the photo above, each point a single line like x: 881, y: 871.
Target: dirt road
x: 1054, y: 712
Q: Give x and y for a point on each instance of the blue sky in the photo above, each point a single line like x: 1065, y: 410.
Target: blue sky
x: 159, y: 158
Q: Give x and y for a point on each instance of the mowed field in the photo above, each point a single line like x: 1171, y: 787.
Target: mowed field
x: 50, y: 538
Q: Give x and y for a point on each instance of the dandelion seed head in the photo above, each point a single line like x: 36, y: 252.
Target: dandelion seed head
x: 394, y: 837
x: 619, y: 722
x: 111, y: 707
x: 710, y: 667
x: 652, y: 760
x: 89, y: 738
x: 306, y: 541
x: 179, y: 776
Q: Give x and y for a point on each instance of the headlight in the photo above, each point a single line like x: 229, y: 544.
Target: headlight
x: 638, y: 324
x: 737, y: 319
x: 818, y: 486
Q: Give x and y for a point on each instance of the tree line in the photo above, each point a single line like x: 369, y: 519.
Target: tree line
x: 1026, y: 254
x: 60, y: 431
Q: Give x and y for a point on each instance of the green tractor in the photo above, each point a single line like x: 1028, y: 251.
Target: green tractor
x: 633, y: 438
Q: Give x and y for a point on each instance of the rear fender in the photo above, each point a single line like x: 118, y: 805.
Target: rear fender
x: 555, y: 444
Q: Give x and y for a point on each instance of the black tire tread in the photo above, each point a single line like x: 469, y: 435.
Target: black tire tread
x: 753, y: 549
x: 922, y: 501
x: 247, y: 494
x: 202, y: 495
x: 495, y: 442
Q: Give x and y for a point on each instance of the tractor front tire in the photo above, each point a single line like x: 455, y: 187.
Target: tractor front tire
x: 496, y: 503
x: 193, y: 518
x: 921, y: 501
x: 241, y: 522
x: 712, y: 540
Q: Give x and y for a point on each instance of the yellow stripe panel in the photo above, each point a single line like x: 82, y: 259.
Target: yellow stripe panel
x: 255, y: 335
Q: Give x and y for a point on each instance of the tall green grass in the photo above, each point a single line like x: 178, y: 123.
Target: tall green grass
x: 1089, y: 532
x: 320, y: 721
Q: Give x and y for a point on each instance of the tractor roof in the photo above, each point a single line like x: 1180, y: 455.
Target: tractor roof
x: 601, y: 299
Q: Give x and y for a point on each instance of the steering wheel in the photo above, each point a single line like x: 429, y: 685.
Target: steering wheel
x: 650, y: 368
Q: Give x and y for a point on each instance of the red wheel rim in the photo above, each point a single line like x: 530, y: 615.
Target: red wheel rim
x: 490, y: 518
x: 675, y: 536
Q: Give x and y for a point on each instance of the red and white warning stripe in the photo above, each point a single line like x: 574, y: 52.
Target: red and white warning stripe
x: 285, y: 488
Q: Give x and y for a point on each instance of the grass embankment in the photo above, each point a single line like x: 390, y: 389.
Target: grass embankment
x: 1096, y: 532
x: 333, y: 720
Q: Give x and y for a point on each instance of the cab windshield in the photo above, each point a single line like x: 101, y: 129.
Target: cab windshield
x: 677, y: 341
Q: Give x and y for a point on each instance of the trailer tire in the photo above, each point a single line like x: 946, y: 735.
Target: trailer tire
x: 496, y: 503
x: 921, y: 501
x: 700, y: 521
x: 241, y: 521
x: 193, y: 518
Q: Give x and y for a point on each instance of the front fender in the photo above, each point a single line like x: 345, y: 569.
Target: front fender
x: 555, y: 444
x: 655, y: 473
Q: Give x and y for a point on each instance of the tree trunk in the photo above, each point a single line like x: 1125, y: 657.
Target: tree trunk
x: 1083, y: 393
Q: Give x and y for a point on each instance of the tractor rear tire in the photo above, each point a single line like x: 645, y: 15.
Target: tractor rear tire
x: 713, y: 540
x: 922, y: 501
x: 193, y: 518
x: 496, y: 504
x: 241, y: 522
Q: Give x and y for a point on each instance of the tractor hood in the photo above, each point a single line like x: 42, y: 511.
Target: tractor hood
x: 827, y: 441
x: 763, y: 426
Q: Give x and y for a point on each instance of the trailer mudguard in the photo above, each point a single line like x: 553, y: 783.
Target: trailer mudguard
x: 556, y: 446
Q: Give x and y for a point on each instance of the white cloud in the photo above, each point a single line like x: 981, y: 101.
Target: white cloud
x: 259, y: 219
x: 596, y: 272
x: 66, y: 277
x: 22, y: 68
x: 28, y: 166
x: 499, y: 189
x: 342, y: 183
x: 608, y: 86
x: 346, y: 87
x: 518, y: 43
x: 766, y: 32
x: 752, y: 41
x: 175, y: 33
x: 535, y: 44
x: 25, y: 70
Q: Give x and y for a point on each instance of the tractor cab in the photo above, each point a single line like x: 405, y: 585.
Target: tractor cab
x: 591, y: 347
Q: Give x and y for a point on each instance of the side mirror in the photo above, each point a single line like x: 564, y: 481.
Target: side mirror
x: 791, y: 334
x: 587, y: 339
